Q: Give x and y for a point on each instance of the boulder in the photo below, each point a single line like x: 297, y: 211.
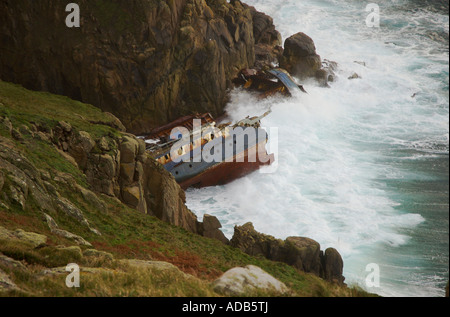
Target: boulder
x: 211, y: 229
x: 32, y: 238
x: 242, y: 280
x: 299, y: 56
x: 304, y: 254
x: 333, y: 266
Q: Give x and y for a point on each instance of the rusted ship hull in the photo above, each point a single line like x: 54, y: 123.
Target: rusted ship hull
x: 226, y: 172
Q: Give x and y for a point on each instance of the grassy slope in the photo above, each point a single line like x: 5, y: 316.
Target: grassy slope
x: 125, y: 232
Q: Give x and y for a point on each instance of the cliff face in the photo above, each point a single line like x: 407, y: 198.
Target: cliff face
x: 146, y: 61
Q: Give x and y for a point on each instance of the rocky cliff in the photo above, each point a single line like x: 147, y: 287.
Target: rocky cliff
x: 302, y: 253
x: 146, y: 61
x: 107, y: 162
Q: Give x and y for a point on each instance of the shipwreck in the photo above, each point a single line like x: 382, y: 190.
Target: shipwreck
x: 200, y: 151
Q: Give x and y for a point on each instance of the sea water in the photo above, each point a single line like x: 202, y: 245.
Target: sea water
x: 362, y: 166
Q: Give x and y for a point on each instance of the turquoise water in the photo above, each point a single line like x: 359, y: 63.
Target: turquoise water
x: 362, y: 166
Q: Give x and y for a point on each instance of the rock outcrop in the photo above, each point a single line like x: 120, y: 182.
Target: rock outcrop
x: 147, y: 62
x: 33, y: 239
x: 115, y: 165
x: 302, y: 253
x: 302, y: 61
x: 242, y: 280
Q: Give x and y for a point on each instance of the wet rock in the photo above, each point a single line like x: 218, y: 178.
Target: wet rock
x: 16, y: 135
x: 354, y: 76
x: 299, y: 57
x: 80, y: 147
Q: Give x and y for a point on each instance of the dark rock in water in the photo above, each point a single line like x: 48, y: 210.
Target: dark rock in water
x: 301, y: 60
x: 299, y: 56
x: 354, y: 76
x: 300, y: 252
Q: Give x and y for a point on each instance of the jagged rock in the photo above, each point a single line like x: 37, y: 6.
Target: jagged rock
x: 113, y: 122
x: 65, y: 126
x: 175, y: 57
x: 132, y: 196
x: 302, y: 253
x: 247, y: 239
x: 165, y: 198
x: 25, y: 180
x: 72, y: 252
x: 268, y: 42
x: 238, y: 281
x: 354, y: 76
x: 80, y: 146
x: 211, y: 228
x: 300, y: 57
x: 103, y: 145
x: 24, y: 130
x: 64, y: 205
x: 101, y: 172
x: 16, y: 135
x: 91, y: 198
x: 333, y: 266
x: 34, y: 239
x: 11, y: 263
x: 127, y: 171
x: 128, y: 149
x: 64, y: 233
